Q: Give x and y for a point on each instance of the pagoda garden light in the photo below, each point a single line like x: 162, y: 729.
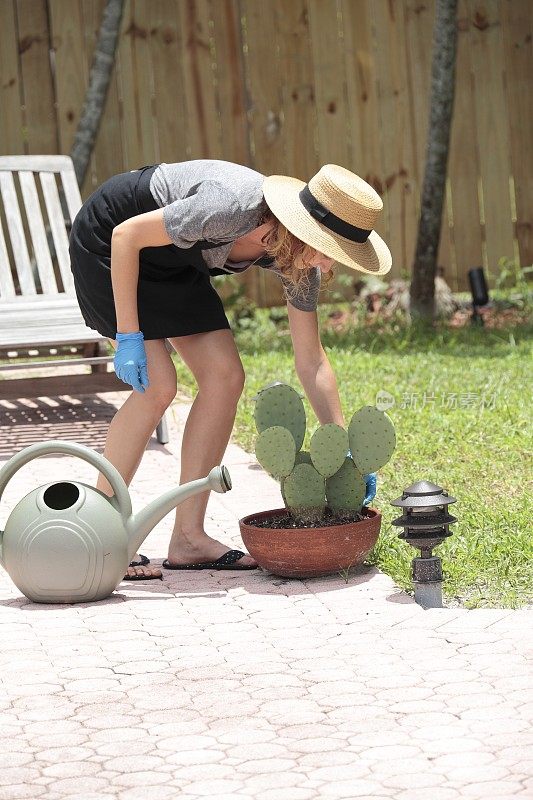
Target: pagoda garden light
x: 425, y: 520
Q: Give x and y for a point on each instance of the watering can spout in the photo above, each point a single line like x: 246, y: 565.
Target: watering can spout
x: 139, y: 525
x: 1, y: 553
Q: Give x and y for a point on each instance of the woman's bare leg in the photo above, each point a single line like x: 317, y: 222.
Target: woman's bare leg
x: 214, y: 361
x: 135, y: 421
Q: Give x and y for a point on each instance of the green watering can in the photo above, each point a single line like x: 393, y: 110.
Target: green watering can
x: 67, y: 542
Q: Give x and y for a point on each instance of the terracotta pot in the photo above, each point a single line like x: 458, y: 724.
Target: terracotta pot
x: 310, y: 552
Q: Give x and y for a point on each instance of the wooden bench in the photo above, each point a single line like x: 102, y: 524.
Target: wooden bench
x: 39, y: 313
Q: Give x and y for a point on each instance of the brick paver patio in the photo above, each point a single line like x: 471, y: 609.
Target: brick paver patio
x: 228, y: 684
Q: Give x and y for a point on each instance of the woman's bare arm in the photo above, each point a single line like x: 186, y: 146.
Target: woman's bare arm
x: 312, y: 366
x: 144, y: 230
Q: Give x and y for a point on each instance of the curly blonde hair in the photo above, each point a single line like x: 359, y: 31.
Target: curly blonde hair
x: 291, y: 254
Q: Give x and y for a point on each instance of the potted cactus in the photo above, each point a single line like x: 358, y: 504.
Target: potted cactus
x: 324, y: 526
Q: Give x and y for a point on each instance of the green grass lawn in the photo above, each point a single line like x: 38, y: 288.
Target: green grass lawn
x: 462, y: 415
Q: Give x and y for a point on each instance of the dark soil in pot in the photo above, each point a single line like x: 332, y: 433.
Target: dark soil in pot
x: 285, y: 520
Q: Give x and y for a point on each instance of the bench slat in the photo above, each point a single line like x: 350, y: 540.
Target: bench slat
x: 57, y: 224
x: 39, y: 301
x: 72, y: 192
x: 66, y: 362
x: 35, y: 163
x: 7, y: 287
x: 41, y: 314
x: 8, y: 320
x: 88, y: 383
x: 48, y: 337
x: 38, y: 233
x: 16, y: 233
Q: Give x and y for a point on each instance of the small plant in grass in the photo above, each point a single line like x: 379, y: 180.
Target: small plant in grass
x: 326, y: 483
x: 345, y: 572
x: 512, y: 276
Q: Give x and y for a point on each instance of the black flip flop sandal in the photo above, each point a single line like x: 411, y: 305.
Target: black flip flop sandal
x: 227, y: 561
x: 143, y: 577
x: 143, y: 561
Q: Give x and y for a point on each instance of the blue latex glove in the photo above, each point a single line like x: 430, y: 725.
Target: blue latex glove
x: 371, y: 487
x: 371, y: 483
x: 130, y: 360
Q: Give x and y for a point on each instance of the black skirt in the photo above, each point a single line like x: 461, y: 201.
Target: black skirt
x: 174, y: 295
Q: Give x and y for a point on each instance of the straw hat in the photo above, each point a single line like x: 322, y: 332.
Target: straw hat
x: 335, y: 213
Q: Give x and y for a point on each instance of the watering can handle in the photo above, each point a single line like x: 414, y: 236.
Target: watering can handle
x: 73, y: 449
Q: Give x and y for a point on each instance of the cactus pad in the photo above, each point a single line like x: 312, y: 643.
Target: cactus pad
x: 372, y: 439
x: 282, y: 489
x: 303, y: 457
x: 345, y: 491
x: 281, y: 405
x: 328, y: 448
x: 275, y: 450
x: 304, y: 490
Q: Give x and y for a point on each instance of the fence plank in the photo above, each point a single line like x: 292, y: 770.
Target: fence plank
x: 143, y: 84
x: 517, y: 25
x: 39, y: 113
x: 70, y: 70
x: 231, y: 93
x: 231, y: 101
x: 419, y: 22
x: 363, y: 103
x: 493, y: 138
x: 135, y: 97
x: 396, y: 132
x: 11, y: 122
x: 298, y: 114
x: 330, y: 83
x: 203, y: 126
x: 298, y: 89
x: 265, y: 116
x: 264, y: 85
x: 463, y: 162
x: 166, y: 45
x: 361, y: 77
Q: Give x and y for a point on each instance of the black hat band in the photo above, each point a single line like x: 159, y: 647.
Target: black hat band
x: 330, y: 220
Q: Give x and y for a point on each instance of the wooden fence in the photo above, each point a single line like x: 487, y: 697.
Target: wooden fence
x: 285, y: 86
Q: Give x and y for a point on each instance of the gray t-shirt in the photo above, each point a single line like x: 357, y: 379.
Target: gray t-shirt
x: 219, y: 201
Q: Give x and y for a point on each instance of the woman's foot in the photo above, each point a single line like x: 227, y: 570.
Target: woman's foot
x: 143, y: 570
x: 201, y: 547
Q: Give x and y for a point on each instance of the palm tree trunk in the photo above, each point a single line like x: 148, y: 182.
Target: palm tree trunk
x: 101, y: 70
x: 433, y: 190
